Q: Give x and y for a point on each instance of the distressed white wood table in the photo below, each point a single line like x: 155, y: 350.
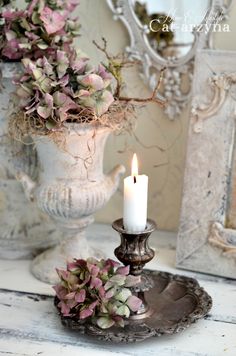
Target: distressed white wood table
x: 29, y: 324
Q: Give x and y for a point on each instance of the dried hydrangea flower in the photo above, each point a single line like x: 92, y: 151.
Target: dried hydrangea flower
x: 97, y: 290
x: 52, y: 89
x: 39, y: 30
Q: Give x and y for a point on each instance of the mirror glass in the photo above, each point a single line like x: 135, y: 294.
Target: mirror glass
x: 169, y: 23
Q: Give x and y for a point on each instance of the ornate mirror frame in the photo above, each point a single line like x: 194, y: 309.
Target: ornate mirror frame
x: 177, y: 68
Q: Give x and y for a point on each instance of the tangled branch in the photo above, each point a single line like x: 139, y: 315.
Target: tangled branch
x: 115, y: 66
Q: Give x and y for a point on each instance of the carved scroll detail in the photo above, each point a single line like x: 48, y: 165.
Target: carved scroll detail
x: 220, y: 85
x: 224, y: 239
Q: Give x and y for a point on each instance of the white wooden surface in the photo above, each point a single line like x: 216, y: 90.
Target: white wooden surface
x: 29, y: 324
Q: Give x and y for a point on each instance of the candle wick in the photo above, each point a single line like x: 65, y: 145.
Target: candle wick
x: 135, y: 180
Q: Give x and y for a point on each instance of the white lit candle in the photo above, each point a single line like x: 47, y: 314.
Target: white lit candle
x: 135, y: 200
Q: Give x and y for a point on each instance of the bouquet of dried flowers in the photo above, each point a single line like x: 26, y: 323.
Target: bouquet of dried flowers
x: 39, y: 30
x: 52, y: 91
x: 98, y: 290
x: 65, y: 88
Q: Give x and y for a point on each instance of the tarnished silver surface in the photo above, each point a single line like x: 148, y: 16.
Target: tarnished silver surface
x: 176, y: 303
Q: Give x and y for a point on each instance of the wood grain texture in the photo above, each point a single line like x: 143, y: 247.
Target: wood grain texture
x: 35, y: 319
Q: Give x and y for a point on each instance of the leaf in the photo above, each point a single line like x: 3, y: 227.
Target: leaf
x: 105, y: 322
x: 134, y: 303
x: 117, y: 279
x: 37, y: 73
x: 45, y: 84
x: 93, y: 269
x: 106, y: 76
x: 64, y: 80
x: 25, y: 24
x: 62, y: 100
x: 61, y: 291
x: 63, y: 275
x: 92, y: 81
x: 109, y: 294
x: 104, y: 102
x: 80, y: 297
x: 42, y: 45
x: 102, y: 292
x: 48, y: 100
x: 53, y: 21
x: 123, y: 310
x: 103, y: 308
x: 87, y: 101
x: 65, y: 309
x: 50, y: 124
x: 123, y: 270
x: 61, y: 70
x: 36, y: 18
x: 82, y: 93
x: 95, y: 283
x: 44, y: 112
x: 70, y: 295
x: 120, y: 322
x: 123, y: 295
x: 112, y: 263
x: 85, y: 313
x: 131, y: 281
x: 10, y: 35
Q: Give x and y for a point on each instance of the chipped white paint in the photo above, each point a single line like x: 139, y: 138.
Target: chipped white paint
x: 205, y: 242
x: 70, y: 189
x: 24, y: 230
x: 36, y: 328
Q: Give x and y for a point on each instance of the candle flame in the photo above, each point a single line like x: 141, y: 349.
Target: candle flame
x: 134, y: 169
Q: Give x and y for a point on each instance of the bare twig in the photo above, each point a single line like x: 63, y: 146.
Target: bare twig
x: 104, y: 48
x: 153, y: 97
x: 115, y: 66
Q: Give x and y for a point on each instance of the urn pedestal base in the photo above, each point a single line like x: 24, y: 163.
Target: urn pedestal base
x: 74, y: 245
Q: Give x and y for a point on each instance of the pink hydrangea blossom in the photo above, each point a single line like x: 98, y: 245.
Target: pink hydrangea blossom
x: 53, y: 21
x: 103, y: 297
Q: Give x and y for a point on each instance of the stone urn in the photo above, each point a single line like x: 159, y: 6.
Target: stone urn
x: 71, y: 187
x: 24, y: 229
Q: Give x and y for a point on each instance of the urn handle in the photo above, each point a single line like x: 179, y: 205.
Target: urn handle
x: 113, y: 177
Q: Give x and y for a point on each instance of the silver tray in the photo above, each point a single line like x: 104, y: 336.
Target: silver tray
x: 176, y: 302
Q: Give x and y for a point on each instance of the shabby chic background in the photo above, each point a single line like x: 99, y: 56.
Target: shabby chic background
x: 162, y: 145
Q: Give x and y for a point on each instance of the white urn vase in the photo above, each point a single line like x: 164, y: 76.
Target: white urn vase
x: 70, y: 189
x: 24, y: 229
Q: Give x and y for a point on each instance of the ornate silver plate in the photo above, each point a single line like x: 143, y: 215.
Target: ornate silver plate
x: 176, y: 303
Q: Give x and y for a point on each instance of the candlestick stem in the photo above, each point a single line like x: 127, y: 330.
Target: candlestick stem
x: 135, y: 252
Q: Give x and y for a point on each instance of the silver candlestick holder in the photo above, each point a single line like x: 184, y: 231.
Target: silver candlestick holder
x: 134, y: 251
